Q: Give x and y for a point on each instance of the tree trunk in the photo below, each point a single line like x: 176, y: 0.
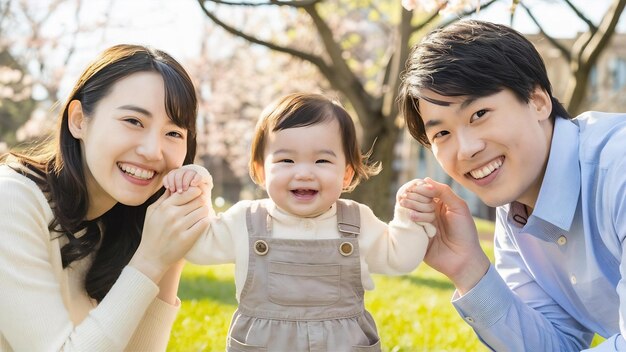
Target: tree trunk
x: 576, y: 90
x: 377, y: 191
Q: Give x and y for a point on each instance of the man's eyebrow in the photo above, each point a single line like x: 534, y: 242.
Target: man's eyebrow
x: 136, y: 109
x: 436, y: 101
x: 467, y: 102
x: 464, y: 104
x: 431, y: 123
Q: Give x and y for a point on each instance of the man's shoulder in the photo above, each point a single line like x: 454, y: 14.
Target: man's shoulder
x: 594, y: 122
x: 602, y: 137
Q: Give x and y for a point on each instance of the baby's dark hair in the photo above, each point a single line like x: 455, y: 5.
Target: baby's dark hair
x: 301, y: 110
x: 474, y: 59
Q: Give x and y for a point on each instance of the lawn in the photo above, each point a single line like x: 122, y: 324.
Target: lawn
x: 412, y: 312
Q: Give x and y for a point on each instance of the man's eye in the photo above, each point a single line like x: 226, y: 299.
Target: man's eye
x: 440, y: 134
x: 478, y: 114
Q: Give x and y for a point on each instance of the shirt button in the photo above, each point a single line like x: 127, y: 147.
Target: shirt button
x: 572, y: 279
x: 469, y: 319
x: 308, y: 224
x: 562, y: 240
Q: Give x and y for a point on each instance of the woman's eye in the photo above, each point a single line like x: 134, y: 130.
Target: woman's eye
x: 176, y: 134
x: 133, y: 121
x: 478, y: 114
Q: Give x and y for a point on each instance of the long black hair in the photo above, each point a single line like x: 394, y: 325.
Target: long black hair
x: 56, y: 165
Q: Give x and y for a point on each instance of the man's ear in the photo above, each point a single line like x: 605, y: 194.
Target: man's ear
x: 541, y: 103
x: 76, y: 119
x: 348, y: 176
x: 259, y: 172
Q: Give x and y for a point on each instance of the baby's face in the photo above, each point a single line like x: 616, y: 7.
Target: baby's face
x: 305, y: 168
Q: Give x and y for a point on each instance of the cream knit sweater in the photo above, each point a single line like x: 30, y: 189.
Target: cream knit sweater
x: 45, y: 308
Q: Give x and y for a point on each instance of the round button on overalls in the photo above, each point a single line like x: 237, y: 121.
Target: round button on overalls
x: 346, y: 248
x: 261, y: 247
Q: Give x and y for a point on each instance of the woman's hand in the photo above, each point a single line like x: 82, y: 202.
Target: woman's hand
x: 171, y: 227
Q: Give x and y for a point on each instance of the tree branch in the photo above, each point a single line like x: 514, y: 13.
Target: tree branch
x: 465, y: 14
x: 429, y: 19
x: 592, y: 27
x: 564, y: 51
x: 606, y: 29
x: 315, y: 60
x: 296, y: 3
x: 341, y: 76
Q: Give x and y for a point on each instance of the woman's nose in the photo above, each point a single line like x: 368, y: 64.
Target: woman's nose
x: 150, y: 148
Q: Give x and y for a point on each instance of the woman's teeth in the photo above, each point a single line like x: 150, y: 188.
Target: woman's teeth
x: 137, y: 172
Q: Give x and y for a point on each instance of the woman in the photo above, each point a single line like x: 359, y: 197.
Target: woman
x: 90, y: 246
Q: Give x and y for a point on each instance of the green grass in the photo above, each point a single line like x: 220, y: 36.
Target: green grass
x: 413, y: 312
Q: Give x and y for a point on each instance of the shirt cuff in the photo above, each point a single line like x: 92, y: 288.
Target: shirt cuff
x: 486, y: 303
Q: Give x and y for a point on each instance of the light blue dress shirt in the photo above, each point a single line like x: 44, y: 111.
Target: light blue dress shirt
x: 558, y: 273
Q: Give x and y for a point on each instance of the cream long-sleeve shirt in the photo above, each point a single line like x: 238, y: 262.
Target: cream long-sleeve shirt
x: 44, y: 307
x: 393, y: 249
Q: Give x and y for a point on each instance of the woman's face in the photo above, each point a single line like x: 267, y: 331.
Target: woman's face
x: 129, y: 143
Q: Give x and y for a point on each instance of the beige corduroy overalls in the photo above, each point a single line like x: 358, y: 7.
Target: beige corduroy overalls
x: 303, y: 295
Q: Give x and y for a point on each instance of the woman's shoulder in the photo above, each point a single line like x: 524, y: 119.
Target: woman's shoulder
x: 17, y: 189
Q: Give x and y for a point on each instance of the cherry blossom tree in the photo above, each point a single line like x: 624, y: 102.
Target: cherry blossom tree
x: 359, y: 48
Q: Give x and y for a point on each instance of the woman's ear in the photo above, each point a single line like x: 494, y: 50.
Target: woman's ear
x: 541, y: 103
x: 348, y: 176
x: 76, y: 119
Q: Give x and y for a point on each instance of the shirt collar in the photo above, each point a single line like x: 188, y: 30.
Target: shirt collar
x: 558, y: 196
x: 284, y: 217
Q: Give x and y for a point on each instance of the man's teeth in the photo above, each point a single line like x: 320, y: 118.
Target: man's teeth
x: 137, y: 172
x: 487, y: 169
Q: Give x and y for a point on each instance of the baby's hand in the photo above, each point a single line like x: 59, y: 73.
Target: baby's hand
x: 417, y: 196
x: 179, y: 180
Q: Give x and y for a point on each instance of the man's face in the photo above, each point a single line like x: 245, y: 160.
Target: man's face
x: 495, y: 146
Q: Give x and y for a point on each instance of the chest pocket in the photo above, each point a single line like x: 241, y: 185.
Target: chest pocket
x: 292, y: 284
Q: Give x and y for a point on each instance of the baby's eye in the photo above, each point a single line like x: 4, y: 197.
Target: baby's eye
x: 285, y: 161
x: 478, y: 114
x: 322, y: 161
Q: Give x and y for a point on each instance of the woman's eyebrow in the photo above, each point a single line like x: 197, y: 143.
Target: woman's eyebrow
x: 136, y: 109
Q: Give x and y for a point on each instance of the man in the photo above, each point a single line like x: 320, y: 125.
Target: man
x: 477, y: 94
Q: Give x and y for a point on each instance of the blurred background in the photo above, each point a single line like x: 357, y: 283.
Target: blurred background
x: 244, y: 54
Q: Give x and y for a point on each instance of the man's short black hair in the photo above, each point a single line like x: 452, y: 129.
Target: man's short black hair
x: 475, y: 59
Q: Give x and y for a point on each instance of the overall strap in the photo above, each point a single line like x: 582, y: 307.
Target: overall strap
x: 257, y: 220
x: 348, y: 218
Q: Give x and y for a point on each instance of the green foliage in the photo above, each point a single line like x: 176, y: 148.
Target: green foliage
x: 412, y: 312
